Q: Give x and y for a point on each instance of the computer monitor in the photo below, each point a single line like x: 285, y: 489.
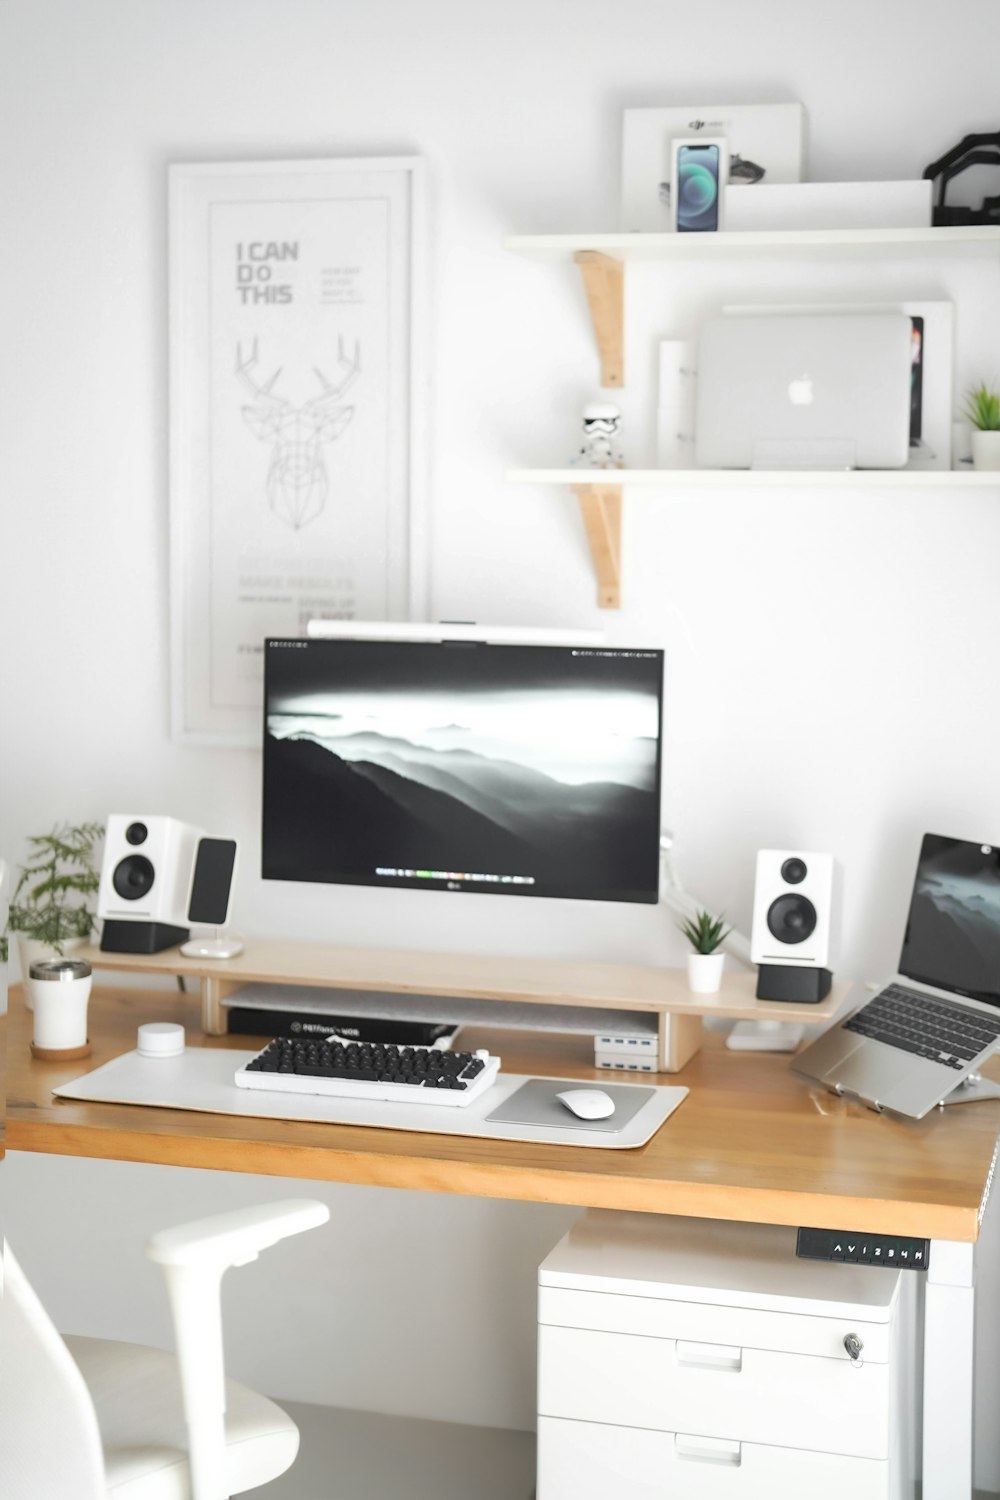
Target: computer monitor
x: 510, y: 769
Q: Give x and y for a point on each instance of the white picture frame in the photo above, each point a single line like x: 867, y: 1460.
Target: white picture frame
x: 297, y: 464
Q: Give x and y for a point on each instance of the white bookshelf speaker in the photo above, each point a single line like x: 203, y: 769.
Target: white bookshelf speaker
x: 145, y: 884
x: 792, y: 931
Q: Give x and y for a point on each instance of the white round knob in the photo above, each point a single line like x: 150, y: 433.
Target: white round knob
x: 160, y: 1039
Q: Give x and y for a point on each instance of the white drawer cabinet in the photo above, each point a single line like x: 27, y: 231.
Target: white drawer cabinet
x: 589, y: 1461
x: 752, y: 1395
x: 678, y: 1357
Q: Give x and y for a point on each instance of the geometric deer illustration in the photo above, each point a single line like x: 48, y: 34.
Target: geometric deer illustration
x: 297, y: 483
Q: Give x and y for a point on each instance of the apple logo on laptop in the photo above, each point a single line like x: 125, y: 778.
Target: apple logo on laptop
x: 800, y: 391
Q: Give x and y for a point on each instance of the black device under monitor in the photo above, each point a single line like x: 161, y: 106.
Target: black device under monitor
x: 507, y: 769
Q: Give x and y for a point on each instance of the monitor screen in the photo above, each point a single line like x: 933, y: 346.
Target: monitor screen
x: 953, y: 930
x: 517, y: 770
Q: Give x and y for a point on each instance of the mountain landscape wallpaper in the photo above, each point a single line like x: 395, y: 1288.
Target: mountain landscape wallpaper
x: 522, y: 770
x: 953, y: 932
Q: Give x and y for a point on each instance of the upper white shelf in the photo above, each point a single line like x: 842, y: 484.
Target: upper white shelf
x: 860, y: 479
x: 971, y: 240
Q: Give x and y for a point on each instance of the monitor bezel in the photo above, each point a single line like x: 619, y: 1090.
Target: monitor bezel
x: 378, y: 633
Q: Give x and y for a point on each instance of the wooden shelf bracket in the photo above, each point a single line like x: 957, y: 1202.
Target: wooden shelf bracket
x: 604, y: 280
x: 601, y: 507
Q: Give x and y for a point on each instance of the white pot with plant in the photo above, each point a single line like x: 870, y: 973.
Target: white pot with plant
x: 982, y: 407
x: 706, y: 934
x: 51, y: 905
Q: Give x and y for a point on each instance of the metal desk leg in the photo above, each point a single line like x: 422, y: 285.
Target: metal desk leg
x: 949, y: 1311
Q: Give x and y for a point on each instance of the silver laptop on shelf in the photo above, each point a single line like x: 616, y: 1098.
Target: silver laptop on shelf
x: 804, y: 391
x: 926, y: 1032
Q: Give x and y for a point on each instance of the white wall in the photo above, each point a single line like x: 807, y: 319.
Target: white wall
x: 831, y: 657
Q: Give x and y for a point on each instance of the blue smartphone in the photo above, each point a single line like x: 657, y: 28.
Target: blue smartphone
x: 697, y: 188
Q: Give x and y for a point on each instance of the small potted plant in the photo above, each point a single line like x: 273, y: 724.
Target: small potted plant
x: 51, y: 910
x: 705, y: 933
x: 982, y: 407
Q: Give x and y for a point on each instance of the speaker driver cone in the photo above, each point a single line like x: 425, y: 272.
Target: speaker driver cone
x: 791, y: 919
x: 133, y: 877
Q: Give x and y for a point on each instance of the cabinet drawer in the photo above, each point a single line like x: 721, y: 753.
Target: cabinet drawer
x: 750, y: 1395
x: 588, y: 1461
x: 652, y: 1317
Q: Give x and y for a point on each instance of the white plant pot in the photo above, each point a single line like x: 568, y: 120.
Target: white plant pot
x: 31, y: 951
x: 985, y: 449
x: 60, y: 990
x: 705, y: 972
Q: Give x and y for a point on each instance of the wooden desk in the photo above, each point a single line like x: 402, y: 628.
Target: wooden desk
x: 752, y: 1142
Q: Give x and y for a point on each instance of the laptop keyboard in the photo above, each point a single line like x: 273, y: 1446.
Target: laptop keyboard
x: 944, y: 1033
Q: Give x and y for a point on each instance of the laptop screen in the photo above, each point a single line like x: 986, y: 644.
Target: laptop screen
x: 952, y: 936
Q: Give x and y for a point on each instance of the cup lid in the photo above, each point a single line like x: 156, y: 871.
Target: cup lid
x: 62, y: 970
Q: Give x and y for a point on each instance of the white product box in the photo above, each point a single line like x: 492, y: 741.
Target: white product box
x: 828, y: 205
x: 766, y: 144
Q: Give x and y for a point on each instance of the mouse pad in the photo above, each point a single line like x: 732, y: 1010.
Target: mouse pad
x: 536, y: 1103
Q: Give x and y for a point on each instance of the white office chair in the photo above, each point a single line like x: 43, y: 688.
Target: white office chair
x: 89, y: 1419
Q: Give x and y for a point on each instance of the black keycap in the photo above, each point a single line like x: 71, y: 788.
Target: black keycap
x: 325, y: 1070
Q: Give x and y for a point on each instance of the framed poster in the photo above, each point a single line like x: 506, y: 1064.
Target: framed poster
x: 295, y: 405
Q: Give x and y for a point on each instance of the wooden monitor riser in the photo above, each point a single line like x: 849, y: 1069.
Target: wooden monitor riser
x: 576, y: 984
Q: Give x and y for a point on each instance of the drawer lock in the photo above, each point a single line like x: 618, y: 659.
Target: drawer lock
x: 854, y: 1346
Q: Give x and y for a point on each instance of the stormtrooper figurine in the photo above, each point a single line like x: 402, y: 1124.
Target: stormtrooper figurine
x: 601, y: 427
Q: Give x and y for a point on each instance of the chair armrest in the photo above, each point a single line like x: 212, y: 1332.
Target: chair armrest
x: 236, y: 1238
x: 194, y: 1258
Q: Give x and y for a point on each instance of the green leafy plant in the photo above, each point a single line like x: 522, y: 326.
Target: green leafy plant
x: 705, y: 932
x: 50, y: 901
x: 982, y: 407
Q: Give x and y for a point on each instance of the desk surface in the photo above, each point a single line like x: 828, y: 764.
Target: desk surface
x: 752, y: 1142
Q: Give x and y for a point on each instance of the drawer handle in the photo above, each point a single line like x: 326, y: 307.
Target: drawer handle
x: 706, y: 1450
x: 710, y: 1356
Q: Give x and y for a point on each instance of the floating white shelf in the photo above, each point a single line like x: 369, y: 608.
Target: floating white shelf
x: 972, y: 240
x: 601, y: 259
x: 757, y: 479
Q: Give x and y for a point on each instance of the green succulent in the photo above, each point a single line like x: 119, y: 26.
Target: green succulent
x: 982, y: 407
x: 705, y: 932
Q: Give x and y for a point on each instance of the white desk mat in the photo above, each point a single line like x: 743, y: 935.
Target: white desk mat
x: 202, y: 1079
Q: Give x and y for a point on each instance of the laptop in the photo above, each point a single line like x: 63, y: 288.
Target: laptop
x: 804, y: 391
x: 931, y: 1026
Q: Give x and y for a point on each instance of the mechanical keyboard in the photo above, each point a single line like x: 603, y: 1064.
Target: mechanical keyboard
x: 943, y: 1033
x: 370, y: 1070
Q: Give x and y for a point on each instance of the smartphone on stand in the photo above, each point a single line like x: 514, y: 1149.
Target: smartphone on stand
x: 699, y: 171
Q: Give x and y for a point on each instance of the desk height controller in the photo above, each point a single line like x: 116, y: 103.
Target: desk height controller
x: 894, y: 1250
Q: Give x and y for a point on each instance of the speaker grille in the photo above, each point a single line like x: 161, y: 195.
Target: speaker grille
x: 133, y: 877
x: 791, y: 919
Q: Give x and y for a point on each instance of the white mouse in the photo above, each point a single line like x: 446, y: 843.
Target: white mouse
x: 588, y: 1104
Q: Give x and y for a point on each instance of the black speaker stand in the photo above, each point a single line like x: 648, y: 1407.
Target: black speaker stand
x: 140, y: 937
x: 797, y: 984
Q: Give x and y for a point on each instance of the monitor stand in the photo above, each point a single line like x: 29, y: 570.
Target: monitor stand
x: 765, y: 1036
x: 217, y: 947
